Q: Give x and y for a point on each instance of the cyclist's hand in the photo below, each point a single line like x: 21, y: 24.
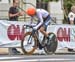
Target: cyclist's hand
x: 35, y: 28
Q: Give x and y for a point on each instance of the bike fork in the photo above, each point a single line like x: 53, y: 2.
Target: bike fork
x: 29, y: 42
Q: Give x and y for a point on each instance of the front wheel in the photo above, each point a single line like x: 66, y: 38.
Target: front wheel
x: 51, y: 45
x: 28, y: 43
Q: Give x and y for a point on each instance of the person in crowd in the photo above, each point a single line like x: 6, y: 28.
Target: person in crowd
x: 13, y: 16
x: 71, y: 20
x: 71, y: 16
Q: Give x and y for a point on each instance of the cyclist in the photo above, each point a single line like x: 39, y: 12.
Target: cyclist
x: 43, y: 19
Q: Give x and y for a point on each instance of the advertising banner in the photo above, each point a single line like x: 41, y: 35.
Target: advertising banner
x: 65, y: 34
x: 11, y: 33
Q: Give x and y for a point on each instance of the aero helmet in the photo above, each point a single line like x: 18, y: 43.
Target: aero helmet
x: 31, y: 11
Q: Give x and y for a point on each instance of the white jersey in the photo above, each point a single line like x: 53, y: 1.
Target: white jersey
x: 41, y: 14
x: 71, y: 16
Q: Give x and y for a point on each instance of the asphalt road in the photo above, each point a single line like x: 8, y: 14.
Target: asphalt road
x: 37, y: 58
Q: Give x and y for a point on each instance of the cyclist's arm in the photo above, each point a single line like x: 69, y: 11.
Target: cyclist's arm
x: 31, y: 22
x: 40, y: 20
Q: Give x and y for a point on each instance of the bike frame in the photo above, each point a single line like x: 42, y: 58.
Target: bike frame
x: 35, y: 32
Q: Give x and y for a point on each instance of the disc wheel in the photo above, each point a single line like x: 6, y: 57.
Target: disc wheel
x: 51, y: 45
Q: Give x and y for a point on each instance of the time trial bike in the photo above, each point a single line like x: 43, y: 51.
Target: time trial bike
x: 31, y: 39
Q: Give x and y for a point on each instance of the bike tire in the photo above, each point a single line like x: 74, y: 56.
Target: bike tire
x: 51, y: 48
x: 33, y: 49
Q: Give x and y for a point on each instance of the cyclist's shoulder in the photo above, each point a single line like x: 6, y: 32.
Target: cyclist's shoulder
x: 40, y: 10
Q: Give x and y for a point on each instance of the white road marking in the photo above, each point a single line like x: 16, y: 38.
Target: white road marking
x: 15, y: 59
x: 55, y: 58
x: 47, y: 60
x: 2, y: 58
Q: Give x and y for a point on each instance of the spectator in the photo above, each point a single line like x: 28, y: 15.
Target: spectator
x: 71, y: 16
x: 71, y: 20
x: 13, y: 16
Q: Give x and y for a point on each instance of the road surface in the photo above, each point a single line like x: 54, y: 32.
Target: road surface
x: 37, y: 58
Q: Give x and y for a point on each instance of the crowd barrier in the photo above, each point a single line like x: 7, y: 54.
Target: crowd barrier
x: 11, y: 33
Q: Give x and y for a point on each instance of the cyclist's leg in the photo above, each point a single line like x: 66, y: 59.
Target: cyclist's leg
x: 45, y: 24
x: 42, y: 30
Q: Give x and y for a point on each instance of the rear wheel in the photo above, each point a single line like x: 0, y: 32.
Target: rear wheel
x: 51, y: 44
x: 28, y: 43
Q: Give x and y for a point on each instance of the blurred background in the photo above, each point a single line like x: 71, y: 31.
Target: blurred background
x: 57, y: 8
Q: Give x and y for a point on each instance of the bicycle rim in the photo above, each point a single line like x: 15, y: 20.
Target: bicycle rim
x: 28, y: 48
